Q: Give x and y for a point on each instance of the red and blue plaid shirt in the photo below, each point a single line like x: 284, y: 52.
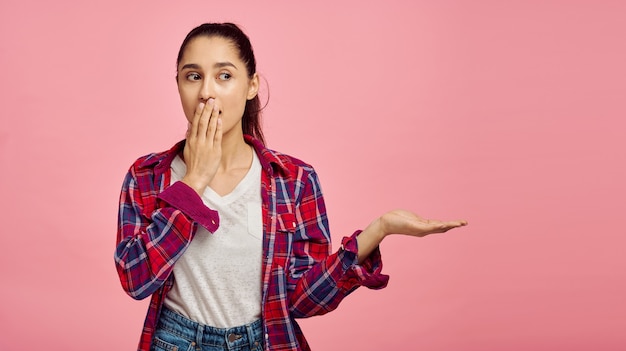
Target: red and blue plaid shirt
x: 300, y: 275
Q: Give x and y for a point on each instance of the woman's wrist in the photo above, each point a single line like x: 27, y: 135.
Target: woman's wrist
x: 370, y: 238
x: 379, y: 229
x: 198, y: 186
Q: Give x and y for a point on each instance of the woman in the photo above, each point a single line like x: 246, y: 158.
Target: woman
x: 230, y: 239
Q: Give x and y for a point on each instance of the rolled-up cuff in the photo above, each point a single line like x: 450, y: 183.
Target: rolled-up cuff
x: 182, y: 197
x: 368, y: 273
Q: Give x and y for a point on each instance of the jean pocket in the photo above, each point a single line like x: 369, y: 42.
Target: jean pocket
x: 164, y: 341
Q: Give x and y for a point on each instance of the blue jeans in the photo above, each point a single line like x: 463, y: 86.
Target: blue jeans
x: 177, y: 333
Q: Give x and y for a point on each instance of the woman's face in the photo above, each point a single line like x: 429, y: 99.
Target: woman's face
x: 211, y: 68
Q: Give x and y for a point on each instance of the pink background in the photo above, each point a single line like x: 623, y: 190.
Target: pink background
x: 509, y: 114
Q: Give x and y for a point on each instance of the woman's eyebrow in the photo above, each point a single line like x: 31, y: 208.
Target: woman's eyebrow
x: 216, y: 65
x: 224, y: 64
x: 191, y: 66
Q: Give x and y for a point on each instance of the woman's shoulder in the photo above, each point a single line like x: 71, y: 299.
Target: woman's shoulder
x: 289, y: 159
x: 287, y: 165
x: 161, y: 159
x: 279, y: 159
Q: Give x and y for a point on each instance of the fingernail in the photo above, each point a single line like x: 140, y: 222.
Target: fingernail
x: 201, y: 106
x: 211, y: 100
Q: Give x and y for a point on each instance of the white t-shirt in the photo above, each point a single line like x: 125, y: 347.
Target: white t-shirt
x: 217, y: 281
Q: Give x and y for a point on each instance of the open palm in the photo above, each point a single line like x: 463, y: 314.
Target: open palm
x: 408, y: 223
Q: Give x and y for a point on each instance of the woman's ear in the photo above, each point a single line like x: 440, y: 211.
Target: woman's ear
x: 253, y: 86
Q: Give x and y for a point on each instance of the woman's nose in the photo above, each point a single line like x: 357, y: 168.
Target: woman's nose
x: 207, y: 90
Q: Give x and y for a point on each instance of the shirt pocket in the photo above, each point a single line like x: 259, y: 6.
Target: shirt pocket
x: 255, y: 221
x: 286, y: 223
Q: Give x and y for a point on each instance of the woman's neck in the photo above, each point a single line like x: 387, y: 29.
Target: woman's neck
x: 236, y: 160
x: 235, y: 152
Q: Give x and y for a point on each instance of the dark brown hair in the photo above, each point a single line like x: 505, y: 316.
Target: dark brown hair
x: 251, y: 121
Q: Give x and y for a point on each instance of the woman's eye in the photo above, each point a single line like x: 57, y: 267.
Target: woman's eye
x: 224, y: 76
x: 193, y: 76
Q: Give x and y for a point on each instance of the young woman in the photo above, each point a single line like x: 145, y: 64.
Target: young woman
x: 229, y: 238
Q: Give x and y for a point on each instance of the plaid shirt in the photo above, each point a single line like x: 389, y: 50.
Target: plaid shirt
x: 300, y: 275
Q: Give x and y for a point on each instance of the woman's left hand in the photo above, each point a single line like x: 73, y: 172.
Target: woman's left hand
x: 408, y: 223
x: 400, y: 222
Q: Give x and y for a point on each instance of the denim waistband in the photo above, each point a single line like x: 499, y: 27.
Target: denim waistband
x: 228, y: 338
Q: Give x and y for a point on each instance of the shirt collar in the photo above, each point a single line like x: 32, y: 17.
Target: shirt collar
x: 269, y: 160
x: 163, y: 160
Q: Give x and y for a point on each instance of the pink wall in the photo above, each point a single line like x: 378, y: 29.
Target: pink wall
x: 508, y: 114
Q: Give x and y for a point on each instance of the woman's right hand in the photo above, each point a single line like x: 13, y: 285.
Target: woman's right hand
x: 203, y: 149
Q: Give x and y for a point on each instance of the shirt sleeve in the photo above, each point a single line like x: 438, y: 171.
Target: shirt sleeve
x: 154, y: 230
x: 368, y: 273
x: 318, y: 279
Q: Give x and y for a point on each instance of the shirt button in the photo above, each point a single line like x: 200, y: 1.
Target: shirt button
x: 294, y: 224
